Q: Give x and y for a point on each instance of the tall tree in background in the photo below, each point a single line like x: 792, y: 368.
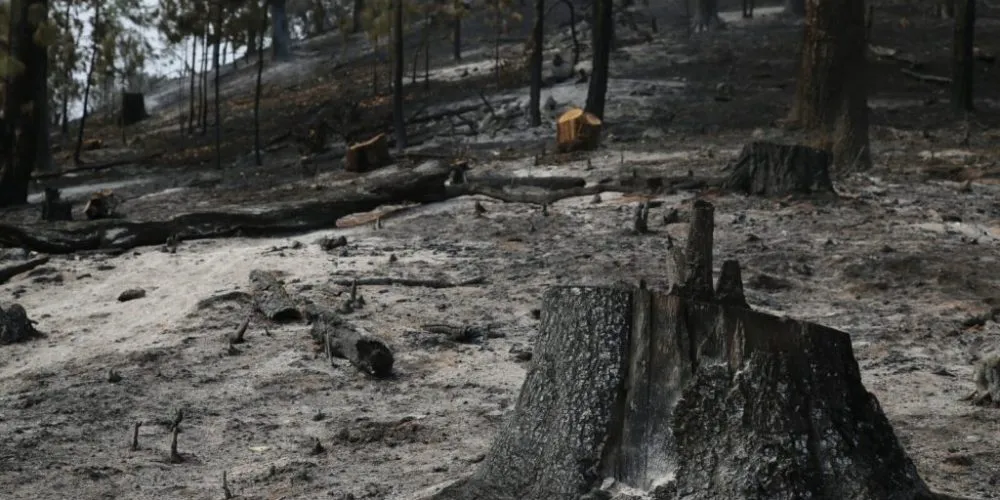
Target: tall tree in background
x: 26, y: 99
x: 256, y: 97
x: 458, y: 12
x: 398, y: 121
x: 356, y: 24
x: 603, y: 17
x: 706, y: 15
x: 217, y: 35
x: 280, y: 36
x: 832, y: 93
x: 98, y: 32
x: 963, y: 63
x: 538, y: 42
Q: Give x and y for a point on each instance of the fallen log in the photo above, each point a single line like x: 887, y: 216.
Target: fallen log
x: 663, y: 392
x: 501, y: 181
x: 9, y: 271
x: 341, y: 340
x: 271, y: 298
x: 425, y: 183
x: 426, y: 283
x: 94, y: 167
x: 772, y: 169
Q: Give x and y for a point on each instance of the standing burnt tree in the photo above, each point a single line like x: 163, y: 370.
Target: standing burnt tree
x: 538, y: 41
x: 963, y: 62
x: 795, y: 8
x: 832, y: 94
x: 706, y: 15
x: 603, y: 19
x: 25, y: 100
x: 398, y: 120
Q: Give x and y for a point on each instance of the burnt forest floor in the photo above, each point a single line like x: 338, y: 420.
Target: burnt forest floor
x: 905, y: 261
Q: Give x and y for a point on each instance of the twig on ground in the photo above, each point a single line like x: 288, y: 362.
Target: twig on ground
x: 463, y: 333
x: 135, y: 436
x: 428, y: 283
x: 225, y: 487
x: 175, y: 458
x: 237, y: 338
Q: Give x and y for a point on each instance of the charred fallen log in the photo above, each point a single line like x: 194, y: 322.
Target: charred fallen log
x: 342, y: 340
x: 271, y: 298
x: 15, y: 325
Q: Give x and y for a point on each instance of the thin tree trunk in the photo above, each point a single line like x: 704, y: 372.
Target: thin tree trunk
x: 831, y: 95
x: 399, y: 123
x: 359, y: 6
x: 603, y: 17
x: 963, y: 63
x: 457, y: 34
x: 257, y: 89
x: 496, y: 40
x: 86, y: 102
x: 216, y: 60
x: 194, y: 72
x: 280, y: 43
x: 204, y: 85
x: 538, y: 40
x: 64, y: 121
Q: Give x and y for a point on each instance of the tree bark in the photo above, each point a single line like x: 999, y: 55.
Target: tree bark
x: 398, y: 120
x: 280, y: 43
x: 963, y: 61
x: 204, y: 85
x: 832, y: 92
x: 359, y: 7
x: 538, y: 40
x: 771, y: 169
x: 603, y: 16
x: 456, y: 36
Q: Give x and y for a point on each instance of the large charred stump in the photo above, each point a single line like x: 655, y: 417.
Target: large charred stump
x: 133, y: 108
x: 690, y: 398
x: 770, y: 169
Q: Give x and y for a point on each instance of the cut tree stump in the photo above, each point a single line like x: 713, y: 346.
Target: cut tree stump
x: 771, y: 169
x: 342, y: 340
x: 102, y: 205
x: 15, y: 325
x: 271, y: 299
x: 368, y: 155
x: 577, y: 130
x: 686, y: 398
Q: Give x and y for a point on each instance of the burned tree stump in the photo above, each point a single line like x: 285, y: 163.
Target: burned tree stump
x: 342, y: 340
x: 681, y: 397
x: 771, y: 169
x: 102, y: 205
x: 271, y: 299
x: 15, y: 325
x: 133, y: 108
x: 55, y: 209
x: 368, y: 155
x: 577, y: 130
x: 987, y: 378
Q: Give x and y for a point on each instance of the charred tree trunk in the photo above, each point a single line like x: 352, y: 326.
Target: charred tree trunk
x: 946, y: 8
x: 832, y: 93
x: 706, y: 15
x: 456, y: 36
x: 280, y: 42
x: 218, y: 103
x: 795, y: 8
x: 341, y: 340
x: 359, y: 7
x: 963, y: 61
x: 662, y: 392
x: 538, y: 45
x: 64, y: 116
x: 257, y: 89
x: 770, y: 169
x: 603, y: 15
x: 398, y: 120
x: 203, y: 119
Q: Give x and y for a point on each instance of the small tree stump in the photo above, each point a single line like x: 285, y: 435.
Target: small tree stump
x: 342, y: 340
x: 771, y: 169
x: 55, y: 209
x: 987, y: 378
x: 15, y: 325
x: 133, y: 108
x: 577, y: 130
x: 270, y: 297
x: 102, y: 205
x: 368, y: 155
